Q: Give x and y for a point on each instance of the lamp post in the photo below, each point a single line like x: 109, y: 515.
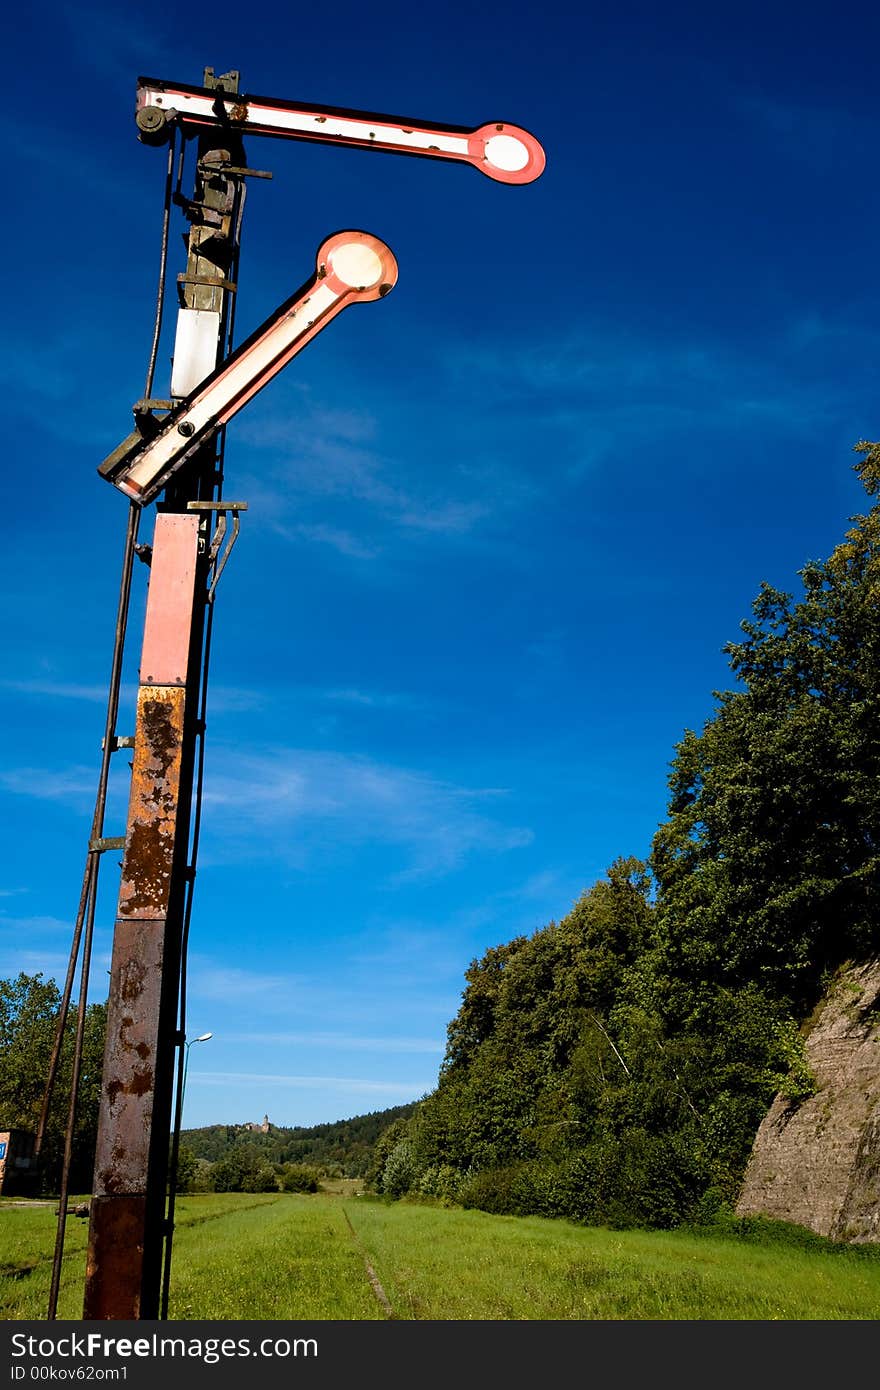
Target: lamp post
x: 203, y: 1037
x: 172, y: 1173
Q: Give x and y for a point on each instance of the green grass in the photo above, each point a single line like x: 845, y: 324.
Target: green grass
x: 292, y: 1257
x: 468, y: 1263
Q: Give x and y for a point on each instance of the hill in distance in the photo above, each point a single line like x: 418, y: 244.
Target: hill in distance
x: 343, y: 1147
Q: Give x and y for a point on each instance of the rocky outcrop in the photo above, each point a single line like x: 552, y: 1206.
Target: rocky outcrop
x: 817, y: 1162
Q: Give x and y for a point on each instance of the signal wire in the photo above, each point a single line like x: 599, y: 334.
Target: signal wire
x: 163, y: 267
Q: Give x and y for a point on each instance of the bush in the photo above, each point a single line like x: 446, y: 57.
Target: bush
x: 502, y: 1191
x: 243, y: 1170
x: 296, y: 1177
x: 638, y: 1180
x: 441, y: 1181
x: 262, y: 1179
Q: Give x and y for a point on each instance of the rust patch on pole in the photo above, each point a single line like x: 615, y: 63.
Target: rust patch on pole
x: 116, y: 1248
x: 154, y: 801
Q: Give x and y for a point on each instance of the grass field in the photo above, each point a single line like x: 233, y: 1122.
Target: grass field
x: 332, y: 1256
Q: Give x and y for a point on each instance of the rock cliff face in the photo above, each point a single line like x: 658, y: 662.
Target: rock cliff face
x: 817, y: 1162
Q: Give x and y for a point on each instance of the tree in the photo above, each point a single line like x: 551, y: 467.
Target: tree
x: 244, y: 1169
x: 28, y: 1017
x: 768, y: 868
x: 187, y: 1169
x: 28, y: 1009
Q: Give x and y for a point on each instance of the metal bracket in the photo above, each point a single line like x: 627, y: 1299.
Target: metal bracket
x: 213, y: 280
x: 222, y: 166
x: 217, y: 560
x: 226, y: 82
x: 104, y: 842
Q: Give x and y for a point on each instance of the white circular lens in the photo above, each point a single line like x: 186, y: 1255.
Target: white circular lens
x: 506, y: 152
x: 356, y: 265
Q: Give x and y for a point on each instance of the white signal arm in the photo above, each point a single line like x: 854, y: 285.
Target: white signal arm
x: 504, y: 152
x: 353, y: 267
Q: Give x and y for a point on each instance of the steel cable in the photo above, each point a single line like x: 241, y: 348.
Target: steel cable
x: 163, y: 267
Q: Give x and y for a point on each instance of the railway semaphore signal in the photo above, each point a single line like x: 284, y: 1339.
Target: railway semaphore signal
x: 175, y: 456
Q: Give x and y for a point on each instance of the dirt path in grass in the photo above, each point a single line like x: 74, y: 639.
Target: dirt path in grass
x: 373, y: 1277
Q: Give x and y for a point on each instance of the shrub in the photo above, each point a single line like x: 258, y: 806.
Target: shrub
x: 296, y: 1177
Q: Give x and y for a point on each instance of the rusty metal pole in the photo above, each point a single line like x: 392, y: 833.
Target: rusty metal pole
x: 125, y: 1234
x: 127, y: 1216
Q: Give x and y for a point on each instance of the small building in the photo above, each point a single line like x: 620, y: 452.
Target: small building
x: 18, y: 1168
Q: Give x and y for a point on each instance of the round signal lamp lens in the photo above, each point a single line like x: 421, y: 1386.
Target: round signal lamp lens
x: 356, y: 265
x: 507, y: 153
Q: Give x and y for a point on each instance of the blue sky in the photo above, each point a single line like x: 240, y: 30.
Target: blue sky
x: 500, y: 524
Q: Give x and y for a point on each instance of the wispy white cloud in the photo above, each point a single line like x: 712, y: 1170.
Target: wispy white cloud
x: 807, y: 132
x: 254, y: 997
x: 26, y: 927
x: 70, y: 785
x: 373, y: 699
x: 58, y: 690
x: 358, y: 1085
x: 232, y: 699
x: 53, y: 965
x: 355, y: 800
x: 597, y: 391
x: 337, y: 455
x: 112, y: 40
x: 340, y: 1041
x: 610, y: 378
x: 233, y: 984
x: 601, y: 393
x: 346, y: 542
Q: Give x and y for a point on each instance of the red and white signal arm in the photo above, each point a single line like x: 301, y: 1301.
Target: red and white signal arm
x: 504, y: 152
x: 352, y: 267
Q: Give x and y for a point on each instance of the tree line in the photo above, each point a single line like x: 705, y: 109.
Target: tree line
x: 614, y: 1066
x: 233, y: 1158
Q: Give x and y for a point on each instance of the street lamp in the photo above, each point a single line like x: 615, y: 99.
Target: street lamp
x: 172, y: 1169
x: 203, y: 1037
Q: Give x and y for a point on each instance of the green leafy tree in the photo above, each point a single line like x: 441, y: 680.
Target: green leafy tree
x: 29, y: 1007
x: 768, y: 868
x: 243, y: 1169
x: 400, y: 1171
x: 187, y: 1169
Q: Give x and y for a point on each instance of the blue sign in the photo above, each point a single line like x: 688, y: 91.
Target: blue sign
x: 2, y: 1149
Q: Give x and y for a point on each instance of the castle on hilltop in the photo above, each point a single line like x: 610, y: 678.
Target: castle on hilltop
x: 262, y: 1128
